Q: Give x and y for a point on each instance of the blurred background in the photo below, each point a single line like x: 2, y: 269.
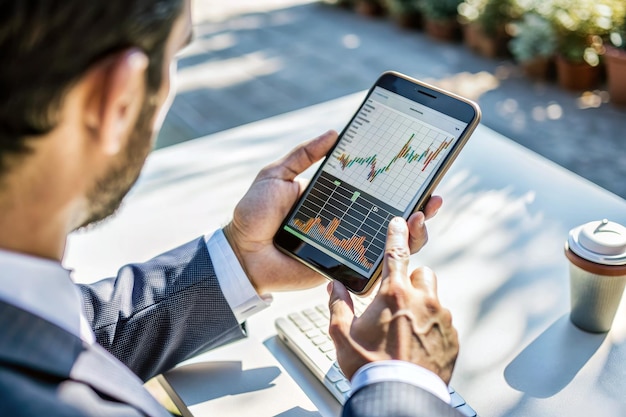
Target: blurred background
x: 550, y: 75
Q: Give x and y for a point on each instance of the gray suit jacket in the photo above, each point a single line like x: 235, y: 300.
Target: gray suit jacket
x: 148, y: 318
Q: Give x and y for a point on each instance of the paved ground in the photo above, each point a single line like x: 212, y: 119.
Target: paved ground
x: 257, y: 59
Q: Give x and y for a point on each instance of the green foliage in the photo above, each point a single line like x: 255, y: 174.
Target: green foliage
x: 497, y: 14
x: 470, y: 10
x: 533, y: 37
x: 440, y: 9
x: 491, y: 15
x: 582, y: 26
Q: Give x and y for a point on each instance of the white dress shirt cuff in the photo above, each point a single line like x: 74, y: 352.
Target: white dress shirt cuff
x: 236, y: 287
x: 400, y: 371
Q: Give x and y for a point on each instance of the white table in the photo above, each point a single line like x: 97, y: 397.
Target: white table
x: 496, y: 246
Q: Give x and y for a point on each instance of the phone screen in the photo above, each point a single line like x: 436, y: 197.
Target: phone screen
x: 380, y: 168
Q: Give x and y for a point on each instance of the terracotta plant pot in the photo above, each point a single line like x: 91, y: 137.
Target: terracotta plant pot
x: 408, y: 20
x: 369, y: 8
x: 496, y: 45
x: 471, y: 34
x: 540, y: 68
x: 446, y: 30
x: 615, y: 62
x: 576, y: 76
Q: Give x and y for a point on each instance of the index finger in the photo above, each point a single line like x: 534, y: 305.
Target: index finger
x: 397, y: 252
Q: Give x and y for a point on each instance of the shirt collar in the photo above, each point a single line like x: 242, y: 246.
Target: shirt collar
x: 41, y: 287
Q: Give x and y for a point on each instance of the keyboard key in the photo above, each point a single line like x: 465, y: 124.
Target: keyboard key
x: 302, y: 323
x: 326, y: 347
x: 320, y: 322
x: 343, y: 386
x: 323, y: 310
x: 314, y: 315
x: 333, y: 375
x: 313, y: 333
x: 318, y: 340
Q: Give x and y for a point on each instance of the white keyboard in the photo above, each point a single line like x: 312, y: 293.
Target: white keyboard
x: 306, y: 334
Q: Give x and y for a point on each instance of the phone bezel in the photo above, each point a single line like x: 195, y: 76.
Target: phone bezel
x: 428, y: 95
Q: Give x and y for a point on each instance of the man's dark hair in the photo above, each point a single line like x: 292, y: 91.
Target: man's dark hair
x: 47, y: 45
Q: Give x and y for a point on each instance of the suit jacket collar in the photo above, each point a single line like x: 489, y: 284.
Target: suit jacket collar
x: 30, y: 342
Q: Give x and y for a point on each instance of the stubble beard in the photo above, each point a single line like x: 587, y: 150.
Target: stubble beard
x: 105, y: 198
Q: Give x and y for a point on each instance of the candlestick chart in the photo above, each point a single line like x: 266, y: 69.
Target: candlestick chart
x: 388, y: 154
x: 406, y: 154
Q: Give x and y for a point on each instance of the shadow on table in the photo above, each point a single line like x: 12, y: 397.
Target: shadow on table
x: 220, y: 379
x: 298, y: 412
x: 552, y: 360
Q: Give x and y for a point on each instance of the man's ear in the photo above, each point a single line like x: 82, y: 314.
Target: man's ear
x: 115, y: 93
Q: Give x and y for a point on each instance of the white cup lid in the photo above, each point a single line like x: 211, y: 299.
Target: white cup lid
x: 603, y: 242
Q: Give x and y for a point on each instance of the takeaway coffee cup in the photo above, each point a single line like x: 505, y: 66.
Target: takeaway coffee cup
x: 597, y: 255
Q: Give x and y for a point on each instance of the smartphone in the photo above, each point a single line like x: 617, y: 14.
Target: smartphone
x: 386, y: 163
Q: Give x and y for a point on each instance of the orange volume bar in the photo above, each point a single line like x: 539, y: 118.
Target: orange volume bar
x: 353, y: 247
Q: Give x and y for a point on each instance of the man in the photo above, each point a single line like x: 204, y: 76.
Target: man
x: 84, y: 86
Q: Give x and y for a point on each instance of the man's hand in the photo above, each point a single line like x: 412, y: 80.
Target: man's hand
x: 404, y: 321
x: 258, y: 215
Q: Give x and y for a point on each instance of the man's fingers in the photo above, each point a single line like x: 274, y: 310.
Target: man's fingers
x: 418, y: 235
x: 424, y: 279
x: 396, y: 260
x: 432, y: 206
x: 341, y: 312
x: 306, y: 154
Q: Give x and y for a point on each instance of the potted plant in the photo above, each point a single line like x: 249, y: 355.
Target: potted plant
x: 486, y: 22
x: 469, y: 10
x: 440, y: 18
x: 580, y: 26
x: 494, y: 22
x: 406, y: 13
x: 533, y: 44
x: 615, y: 63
